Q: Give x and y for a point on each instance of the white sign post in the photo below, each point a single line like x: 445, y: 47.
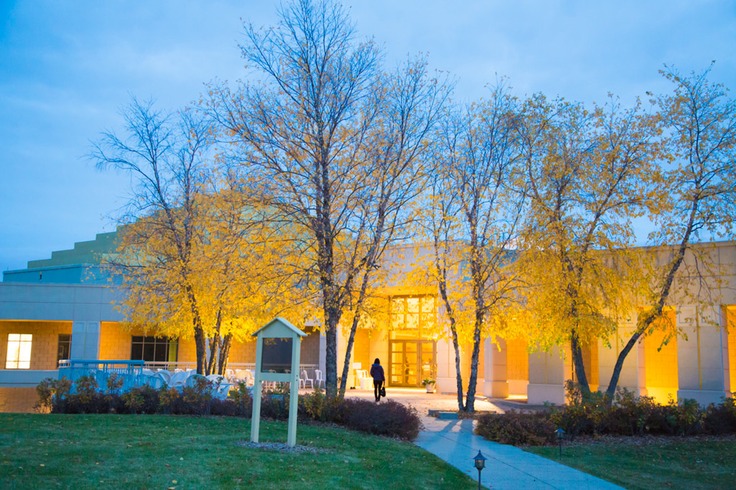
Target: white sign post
x: 278, y: 347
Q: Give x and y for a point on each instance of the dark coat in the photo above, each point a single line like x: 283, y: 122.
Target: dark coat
x: 377, y: 373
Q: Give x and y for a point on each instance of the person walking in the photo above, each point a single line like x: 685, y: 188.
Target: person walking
x: 378, y: 378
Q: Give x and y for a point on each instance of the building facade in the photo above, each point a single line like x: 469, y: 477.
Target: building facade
x: 63, y: 308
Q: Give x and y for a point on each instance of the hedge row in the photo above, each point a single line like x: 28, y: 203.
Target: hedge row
x: 387, y: 418
x: 628, y: 415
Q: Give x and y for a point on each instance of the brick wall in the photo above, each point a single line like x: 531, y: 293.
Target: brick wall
x: 115, y: 341
x: 17, y: 399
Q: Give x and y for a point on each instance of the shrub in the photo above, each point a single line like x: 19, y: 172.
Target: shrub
x: 169, y: 400
x: 519, y: 429
x: 720, y: 419
x: 385, y: 419
x: 275, y: 406
x: 227, y: 408
x: 627, y: 414
x: 133, y: 401
x: 148, y: 399
x: 688, y: 417
x: 52, y: 394
x: 198, y: 398
x: 86, y: 398
x: 242, y: 399
x: 317, y: 406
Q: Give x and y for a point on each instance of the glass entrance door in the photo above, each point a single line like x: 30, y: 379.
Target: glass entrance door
x: 411, y: 361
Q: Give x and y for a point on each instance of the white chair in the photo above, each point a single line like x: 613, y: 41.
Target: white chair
x: 164, y: 376
x: 191, y: 381
x: 178, y: 379
x: 243, y: 376
x: 318, y: 378
x: 250, y: 379
x: 220, y: 385
x: 215, y: 378
x: 364, y: 382
x: 305, y: 380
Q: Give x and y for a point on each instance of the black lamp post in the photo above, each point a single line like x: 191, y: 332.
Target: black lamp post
x: 480, y: 463
x: 560, y: 433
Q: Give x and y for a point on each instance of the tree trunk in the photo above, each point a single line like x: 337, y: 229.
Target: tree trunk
x: 224, y: 354
x: 199, y: 341
x: 578, y: 362
x: 212, y: 362
x: 656, y: 312
x: 616, y: 374
x: 332, y: 321
x: 455, y: 342
x: 474, y: 358
x: 351, y: 338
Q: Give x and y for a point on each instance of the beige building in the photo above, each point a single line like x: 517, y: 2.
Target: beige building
x: 62, y: 308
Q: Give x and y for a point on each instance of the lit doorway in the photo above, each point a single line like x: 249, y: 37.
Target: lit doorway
x: 411, y: 361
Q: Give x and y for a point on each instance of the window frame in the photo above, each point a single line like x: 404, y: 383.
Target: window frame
x: 20, y: 345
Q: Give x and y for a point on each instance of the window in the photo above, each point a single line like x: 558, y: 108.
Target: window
x: 153, y: 349
x: 65, y: 347
x: 19, y: 351
x: 412, y: 316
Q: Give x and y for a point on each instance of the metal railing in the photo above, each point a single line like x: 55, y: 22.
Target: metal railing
x: 132, y: 374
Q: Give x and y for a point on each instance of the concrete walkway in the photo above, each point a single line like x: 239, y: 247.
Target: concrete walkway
x: 507, y: 467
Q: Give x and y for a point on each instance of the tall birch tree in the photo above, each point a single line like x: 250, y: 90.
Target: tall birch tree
x: 589, y: 175
x: 699, y: 123
x: 476, y: 207
x: 318, y: 144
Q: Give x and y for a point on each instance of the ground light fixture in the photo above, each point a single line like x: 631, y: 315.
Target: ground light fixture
x: 480, y: 463
x: 560, y: 434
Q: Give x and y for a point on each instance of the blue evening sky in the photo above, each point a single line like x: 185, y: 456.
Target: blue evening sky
x: 67, y: 68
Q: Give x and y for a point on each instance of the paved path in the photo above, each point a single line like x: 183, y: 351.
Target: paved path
x: 507, y: 467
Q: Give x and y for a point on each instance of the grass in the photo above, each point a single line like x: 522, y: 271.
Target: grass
x: 139, y: 452
x: 653, y: 462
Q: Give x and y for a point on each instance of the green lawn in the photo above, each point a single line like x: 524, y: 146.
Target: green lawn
x: 646, y: 463
x: 127, y: 451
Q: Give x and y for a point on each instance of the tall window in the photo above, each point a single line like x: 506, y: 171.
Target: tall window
x: 19, y: 351
x: 65, y: 347
x: 412, y: 316
x: 153, y: 349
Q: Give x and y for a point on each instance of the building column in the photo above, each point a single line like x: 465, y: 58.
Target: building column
x: 446, y: 380
x: 701, y: 363
x: 547, y: 377
x: 322, y: 352
x: 85, y: 340
x: 494, y: 369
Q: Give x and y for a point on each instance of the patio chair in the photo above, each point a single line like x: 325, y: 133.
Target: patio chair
x: 178, y: 379
x: 318, y: 378
x: 363, y: 381
x: 243, y: 376
x: 164, y: 376
x: 191, y: 380
x: 220, y: 386
x: 305, y: 380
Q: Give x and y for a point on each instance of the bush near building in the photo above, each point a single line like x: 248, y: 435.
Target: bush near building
x: 388, y: 418
x: 628, y: 415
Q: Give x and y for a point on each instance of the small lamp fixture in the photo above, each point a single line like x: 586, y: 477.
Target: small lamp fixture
x: 480, y: 463
x: 560, y: 434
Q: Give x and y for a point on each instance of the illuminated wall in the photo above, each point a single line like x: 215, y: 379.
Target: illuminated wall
x: 661, y: 377
x: 730, y: 313
x: 517, y: 366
